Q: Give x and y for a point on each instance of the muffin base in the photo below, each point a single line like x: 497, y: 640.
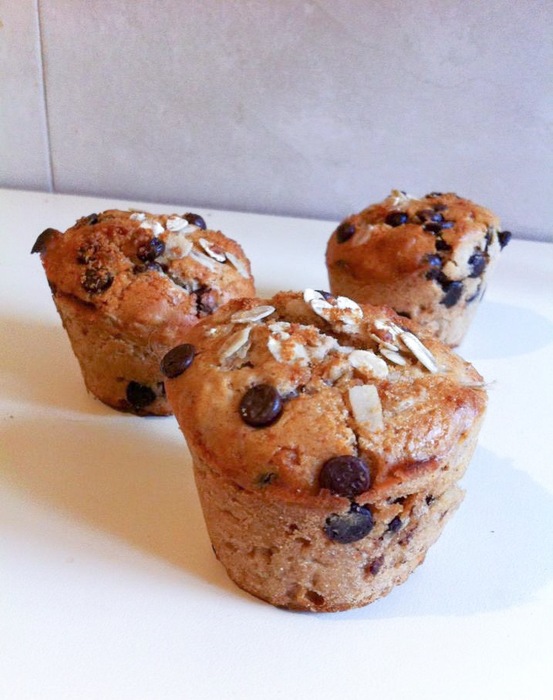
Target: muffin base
x: 415, y: 298
x: 111, y: 357
x: 277, y: 550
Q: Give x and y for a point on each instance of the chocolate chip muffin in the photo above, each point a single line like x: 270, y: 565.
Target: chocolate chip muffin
x: 128, y: 287
x: 327, y: 439
x: 429, y: 258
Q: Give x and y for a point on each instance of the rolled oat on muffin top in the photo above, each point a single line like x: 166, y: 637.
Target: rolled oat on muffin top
x: 428, y: 258
x: 128, y: 286
x: 327, y: 440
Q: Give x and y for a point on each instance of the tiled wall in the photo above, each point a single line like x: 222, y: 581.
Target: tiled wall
x: 309, y: 108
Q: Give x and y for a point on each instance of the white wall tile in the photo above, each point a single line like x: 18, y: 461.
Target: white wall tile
x: 306, y: 108
x: 24, y: 161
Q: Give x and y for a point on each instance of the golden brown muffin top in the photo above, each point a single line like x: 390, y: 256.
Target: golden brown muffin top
x: 403, y: 235
x: 269, y: 391
x: 138, y: 266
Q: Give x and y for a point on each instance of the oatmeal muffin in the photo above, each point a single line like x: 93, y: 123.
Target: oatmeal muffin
x: 429, y: 258
x: 128, y: 287
x: 327, y: 440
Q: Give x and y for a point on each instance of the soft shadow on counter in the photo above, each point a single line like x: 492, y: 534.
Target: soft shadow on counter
x: 495, y: 553
x: 502, y: 331
x: 126, y: 476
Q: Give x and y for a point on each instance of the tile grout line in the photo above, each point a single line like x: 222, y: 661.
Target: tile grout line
x: 44, y: 98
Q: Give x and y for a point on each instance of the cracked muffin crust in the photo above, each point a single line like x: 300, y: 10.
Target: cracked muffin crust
x: 428, y: 258
x: 128, y: 286
x: 327, y: 440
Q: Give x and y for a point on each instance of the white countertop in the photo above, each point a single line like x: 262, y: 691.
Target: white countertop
x: 108, y: 585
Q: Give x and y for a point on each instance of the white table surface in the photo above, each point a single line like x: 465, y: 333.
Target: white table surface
x: 108, y: 585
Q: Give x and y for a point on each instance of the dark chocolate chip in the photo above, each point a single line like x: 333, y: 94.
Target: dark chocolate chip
x: 345, y: 475
x: 87, y: 253
x: 42, y: 241
x: 396, y: 218
x: 439, y: 207
x: 453, y: 293
x: 96, y: 280
x: 432, y: 226
x: 152, y: 249
x: 448, y: 224
x: 429, y: 499
x: 90, y: 220
x: 405, y: 314
x: 435, y: 263
x: 177, y: 360
x: 351, y: 526
x: 206, y: 301
x: 429, y: 215
x: 442, y: 245
x: 395, y: 524
x: 261, y: 406
x: 195, y: 220
x: 139, y: 396
x: 435, y: 194
x: 477, y: 261
x: 344, y: 232
x: 149, y: 266
x: 504, y: 237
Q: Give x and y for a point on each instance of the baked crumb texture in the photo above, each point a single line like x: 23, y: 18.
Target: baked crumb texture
x: 428, y: 258
x: 327, y: 440
x: 128, y: 286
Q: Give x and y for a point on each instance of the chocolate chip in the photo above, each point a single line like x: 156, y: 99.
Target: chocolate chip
x: 206, y: 301
x: 396, y: 218
x: 89, y: 220
x: 139, y: 396
x: 429, y: 215
x: 439, y: 207
x: 435, y: 263
x: 152, y: 249
x: 405, y: 314
x: 177, y: 360
x: 448, y: 224
x: 453, y: 292
x: 195, y: 220
x: 477, y: 262
x: 434, y: 194
x: 261, y: 406
x: 344, y: 232
x: 96, y: 280
x: 351, y: 526
x: 504, y: 237
x: 42, y: 241
x: 432, y: 226
x: 395, y: 524
x: 345, y: 475
x: 442, y: 245
x: 145, y: 267
x: 87, y: 253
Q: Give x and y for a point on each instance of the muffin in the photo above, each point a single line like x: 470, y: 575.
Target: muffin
x: 327, y: 441
x: 429, y: 259
x: 128, y: 286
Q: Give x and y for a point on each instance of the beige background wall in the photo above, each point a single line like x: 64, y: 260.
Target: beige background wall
x: 310, y: 108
